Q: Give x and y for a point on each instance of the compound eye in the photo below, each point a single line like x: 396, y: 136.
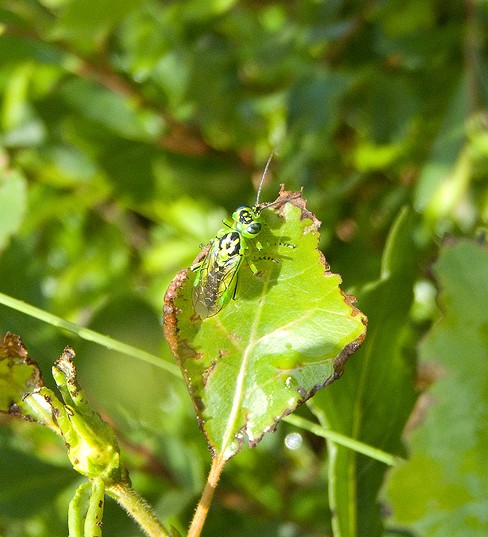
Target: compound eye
x: 245, y: 216
x: 254, y: 228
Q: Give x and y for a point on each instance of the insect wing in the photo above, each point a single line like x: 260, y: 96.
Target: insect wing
x: 217, y: 277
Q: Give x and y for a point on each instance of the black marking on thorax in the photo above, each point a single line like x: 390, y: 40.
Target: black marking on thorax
x: 230, y: 244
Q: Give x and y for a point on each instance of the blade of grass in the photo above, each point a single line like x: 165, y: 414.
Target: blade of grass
x: 89, y: 335
x: 338, y: 438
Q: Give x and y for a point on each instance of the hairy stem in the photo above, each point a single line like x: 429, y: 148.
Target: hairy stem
x: 138, y: 509
x: 206, y: 499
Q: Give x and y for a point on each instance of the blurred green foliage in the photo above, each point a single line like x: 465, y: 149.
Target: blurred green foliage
x: 130, y: 129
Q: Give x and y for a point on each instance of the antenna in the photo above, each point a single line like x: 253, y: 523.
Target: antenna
x: 264, y: 175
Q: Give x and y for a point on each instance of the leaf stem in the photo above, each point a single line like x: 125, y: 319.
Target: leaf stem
x: 87, y: 334
x: 138, y: 509
x: 207, y: 496
x: 345, y: 441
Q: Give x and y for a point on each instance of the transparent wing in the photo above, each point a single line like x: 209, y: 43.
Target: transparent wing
x: 216, y: 283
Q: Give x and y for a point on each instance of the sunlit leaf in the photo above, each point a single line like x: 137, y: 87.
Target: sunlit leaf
x: 13, y: 201
x: 445, y: 151
x: 287, y: 334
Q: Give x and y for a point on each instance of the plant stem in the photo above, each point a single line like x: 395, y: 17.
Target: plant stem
x: 206, y: 499
x: 138, y: 509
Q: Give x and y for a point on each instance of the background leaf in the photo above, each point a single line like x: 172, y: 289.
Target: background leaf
x: 376, y: 395
x: 13, y: 203
x: 447, y: 466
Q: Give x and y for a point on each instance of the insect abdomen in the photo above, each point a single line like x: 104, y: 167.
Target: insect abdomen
x: 215, y: 286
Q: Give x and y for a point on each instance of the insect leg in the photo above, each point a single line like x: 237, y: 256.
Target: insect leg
x: 196, y: 266
x: 252, y: 266
x: 235, y: 287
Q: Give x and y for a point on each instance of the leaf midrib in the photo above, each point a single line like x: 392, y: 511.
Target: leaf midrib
x: 228, y: 435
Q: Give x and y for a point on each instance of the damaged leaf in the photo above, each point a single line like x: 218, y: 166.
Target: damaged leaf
x: 19, y: 375
x: 287, y: 333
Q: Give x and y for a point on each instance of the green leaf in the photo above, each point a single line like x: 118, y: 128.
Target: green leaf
x: 18, y: 374
x: 13, y: 201
x: 287, y: 334
x: 109, y: 110
x: 445, y: 151
x: 88, y: 21
x: 373, y: 400
x: 441, y: 490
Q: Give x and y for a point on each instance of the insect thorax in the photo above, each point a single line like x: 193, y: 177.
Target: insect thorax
x: 229, y: 245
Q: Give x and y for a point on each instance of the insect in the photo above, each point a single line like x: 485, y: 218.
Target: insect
x: 216, y: 279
